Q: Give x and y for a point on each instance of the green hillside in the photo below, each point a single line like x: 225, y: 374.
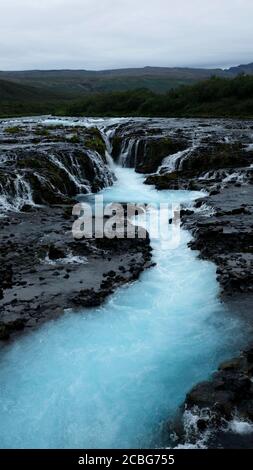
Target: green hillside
x: 113, y: 93
x: 156, y: 79
x: 20, y: 100
x: 216, y: 97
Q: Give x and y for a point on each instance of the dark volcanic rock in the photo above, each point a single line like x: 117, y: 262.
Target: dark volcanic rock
x: 54, y: 170
x: 215, y: 403
x: 151, y: 152
x: 214, y: 156
x: 143, y: 147
x: 221, y: 224
x: 38, y: 277
x: 43, y: 269
x: 225, y: 237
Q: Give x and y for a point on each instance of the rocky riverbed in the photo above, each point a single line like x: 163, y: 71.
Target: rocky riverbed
x: 218, y: 413
x: 216, y: 157
x: 44, y: 270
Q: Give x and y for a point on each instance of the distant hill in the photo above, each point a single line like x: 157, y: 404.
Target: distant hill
x: 38, y: 91
x: 12, y: 91
x: 19, y: 99
x: 156, y: 79
x: 247, y: 69
x: 215, y: 97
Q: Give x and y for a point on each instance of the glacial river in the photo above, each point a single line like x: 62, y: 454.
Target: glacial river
x: 110, y: 377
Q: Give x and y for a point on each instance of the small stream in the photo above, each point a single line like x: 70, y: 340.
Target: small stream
x: 110, y: 377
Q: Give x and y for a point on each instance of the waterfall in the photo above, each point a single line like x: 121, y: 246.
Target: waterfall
x: 111, y: 376
x: 173, y: 162
x: 23, y: 192
x: 108, y: 134
x: 100, y: 169
x: 74, y: 178
x: 129, y: 149
x: 225, y: 176
x: 17, y: 194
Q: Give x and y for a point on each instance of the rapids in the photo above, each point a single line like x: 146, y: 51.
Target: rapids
x: 111, y: 377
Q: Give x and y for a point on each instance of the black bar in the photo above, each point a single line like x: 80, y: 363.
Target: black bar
x: 126, y: 458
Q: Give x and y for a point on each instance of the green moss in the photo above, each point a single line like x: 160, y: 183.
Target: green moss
x: 116, y: 146
x: 156, y: 151
x: 166, y: 142
x: 96, y: 144
x: 42, y: 131
x: 94, y: 132
x: 4, y: 333
x: 192, y: 186
x: 29, y: 162
x: 75, y: 139
x: 13, y: 130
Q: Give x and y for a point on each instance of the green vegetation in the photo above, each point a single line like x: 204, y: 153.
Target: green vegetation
x: 96, y: 144
x: 213, y: 97
x: 74, y: 139
x: 13, y: 130
x: 24, y: 100
x: 210, y: 98
x: 79, y: 82
x: 42, y: 131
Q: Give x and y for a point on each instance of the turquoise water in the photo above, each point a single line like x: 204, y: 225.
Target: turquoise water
x: 110, y: 377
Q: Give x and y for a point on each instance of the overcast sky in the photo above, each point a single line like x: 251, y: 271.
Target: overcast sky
x: 99, y: 34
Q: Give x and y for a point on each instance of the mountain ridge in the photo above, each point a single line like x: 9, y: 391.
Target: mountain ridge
x: 156, y: 79
x: 42, y: 92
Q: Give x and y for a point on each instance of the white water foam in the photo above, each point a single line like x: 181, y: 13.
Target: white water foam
x: 239, y: 426
x: 108, y: 377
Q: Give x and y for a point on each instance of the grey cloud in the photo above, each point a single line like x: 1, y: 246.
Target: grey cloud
x: 96, y: 34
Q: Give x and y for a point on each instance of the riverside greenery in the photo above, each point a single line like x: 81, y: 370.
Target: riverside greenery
x: 215, y: 97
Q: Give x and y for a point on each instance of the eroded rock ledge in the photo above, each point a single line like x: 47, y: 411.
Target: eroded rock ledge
x: 38, y: 279
x: 222, y: 233
x: 44, y: 270
x: 214, y: 156
x: 221, y: 224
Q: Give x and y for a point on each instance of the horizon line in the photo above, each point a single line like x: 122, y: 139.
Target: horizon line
x: 224, y: 68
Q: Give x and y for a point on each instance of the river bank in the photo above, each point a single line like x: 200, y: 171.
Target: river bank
x: 44, y: 270
x: 214, y: 156
x: 217, y: 412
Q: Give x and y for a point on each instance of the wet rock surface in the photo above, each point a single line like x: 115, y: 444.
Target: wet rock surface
x: 222, y: 230
x: 216, y: 412
x: 49, y: 165
x: 44, y: 270
x: 215, y: 157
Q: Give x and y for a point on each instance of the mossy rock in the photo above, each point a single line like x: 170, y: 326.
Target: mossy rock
x: 165, y: 178
x: 4, y: 332
x: 13, y: 130
x: 116, y: 147
x: 97, y: 144
x: 93, y: 132
x: 154, y: 151
x: 42, y: 131
x: 215, y: 157
x: 75, y: 139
